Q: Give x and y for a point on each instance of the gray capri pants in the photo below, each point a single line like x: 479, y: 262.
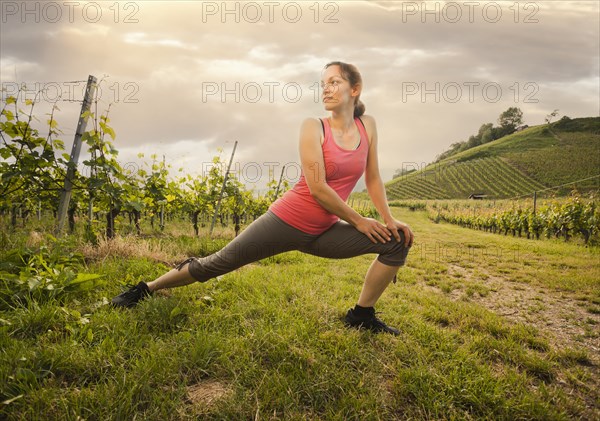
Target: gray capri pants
x: 268, y: 235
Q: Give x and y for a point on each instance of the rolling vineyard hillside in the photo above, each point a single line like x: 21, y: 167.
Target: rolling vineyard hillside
x: 533, y: 159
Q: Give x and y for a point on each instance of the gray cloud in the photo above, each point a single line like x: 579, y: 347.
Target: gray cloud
x: 164, y: 64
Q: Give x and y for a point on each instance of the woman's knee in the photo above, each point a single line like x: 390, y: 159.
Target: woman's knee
x: 396, y: 253
x: 196, y: 270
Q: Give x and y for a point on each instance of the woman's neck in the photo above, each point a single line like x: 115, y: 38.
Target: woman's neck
x: 343, y: 120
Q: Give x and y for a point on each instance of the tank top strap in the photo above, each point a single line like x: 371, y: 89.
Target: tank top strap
x: 362, y: 131
x: 326, y: 130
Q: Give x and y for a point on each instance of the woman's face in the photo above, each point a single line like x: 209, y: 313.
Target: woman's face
x: 336, y: 91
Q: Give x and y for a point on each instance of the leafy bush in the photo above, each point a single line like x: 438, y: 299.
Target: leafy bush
x: 46, y: 274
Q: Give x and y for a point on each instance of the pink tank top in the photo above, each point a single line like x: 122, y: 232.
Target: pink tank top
x: 343, y: 169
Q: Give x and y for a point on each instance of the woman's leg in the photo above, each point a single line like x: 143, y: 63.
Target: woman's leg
x: 376, y: 281
x: 173, y: 278
x: 266, y: 236
x: 341, y: 241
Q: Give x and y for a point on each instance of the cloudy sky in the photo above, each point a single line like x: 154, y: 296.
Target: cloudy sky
x: 188, y: 78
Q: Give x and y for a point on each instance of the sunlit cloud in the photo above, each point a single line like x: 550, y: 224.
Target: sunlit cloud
x: 141, y: 38
x: 73, y: 31
x: 13, y: 68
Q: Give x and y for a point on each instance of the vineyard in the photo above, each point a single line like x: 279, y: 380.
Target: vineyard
x: 104, y: 194
x: 572, y: 218
x: 531, y: 160
x: 492, y: 175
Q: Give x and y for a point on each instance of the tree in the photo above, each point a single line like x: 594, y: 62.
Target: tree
x: 473, y: 141
x: 455, y: 148
x: 510, y: 119
x: 550, y: 116
x: 403, y: 171
x: 485, y: 133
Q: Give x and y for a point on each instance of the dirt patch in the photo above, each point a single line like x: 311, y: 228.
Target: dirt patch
x: 207, y: 392
x: 559, y: 317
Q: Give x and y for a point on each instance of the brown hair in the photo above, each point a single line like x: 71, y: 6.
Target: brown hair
x: 352, y: 75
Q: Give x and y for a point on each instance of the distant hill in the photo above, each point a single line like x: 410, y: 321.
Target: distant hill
x: 533, y: 159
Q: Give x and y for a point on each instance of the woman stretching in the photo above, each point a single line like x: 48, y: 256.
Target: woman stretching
x: 334, y: 153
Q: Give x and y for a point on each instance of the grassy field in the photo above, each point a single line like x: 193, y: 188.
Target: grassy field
x: 492, y: 327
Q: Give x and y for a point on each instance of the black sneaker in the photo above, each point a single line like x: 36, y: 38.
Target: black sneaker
x: 369, y: 322
x: 132, y: 296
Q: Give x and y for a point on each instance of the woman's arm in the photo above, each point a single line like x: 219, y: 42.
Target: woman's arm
x: 313, y: 167
x: 373, y: 180
x: 375, y: 186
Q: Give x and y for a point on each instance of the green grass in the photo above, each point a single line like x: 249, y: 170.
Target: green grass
x: 270, y: 334
x: 514, y: 165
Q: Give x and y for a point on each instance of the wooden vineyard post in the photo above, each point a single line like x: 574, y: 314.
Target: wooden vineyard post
x: 65, y: 196
x: 91, y: 202
x: 279, y: 184
x: 218, y: 207
x: 161, y: 223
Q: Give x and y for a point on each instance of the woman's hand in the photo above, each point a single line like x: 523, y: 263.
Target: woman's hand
x: 375, y: 230
x: 378, y: 232
x: 394, y: 226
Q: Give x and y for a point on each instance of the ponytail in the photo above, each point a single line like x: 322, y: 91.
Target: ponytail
x: 359, y: 108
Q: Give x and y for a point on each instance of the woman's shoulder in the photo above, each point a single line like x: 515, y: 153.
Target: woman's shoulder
x: 312, y: 123
x: 312, y: 128
x: 367, y: 119
x: 313, y: 120
x: 370, y: 127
